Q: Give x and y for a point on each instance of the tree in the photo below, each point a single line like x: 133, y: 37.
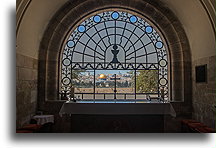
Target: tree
x: 75, y: 74
x: 147, y: 81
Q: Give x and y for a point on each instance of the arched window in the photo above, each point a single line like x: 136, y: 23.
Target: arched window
x: 115, y: 55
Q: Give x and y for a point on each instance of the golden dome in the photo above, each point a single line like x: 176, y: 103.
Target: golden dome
x: 102, y: 76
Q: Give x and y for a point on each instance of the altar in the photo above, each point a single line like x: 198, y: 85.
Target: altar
x: 117, y: 117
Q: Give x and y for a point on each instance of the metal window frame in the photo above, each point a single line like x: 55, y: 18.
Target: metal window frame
x: 106, y: 17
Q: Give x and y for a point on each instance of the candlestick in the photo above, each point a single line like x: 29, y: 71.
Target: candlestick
x: 64, y: 95
x: 162, y: 92
x: 72, y: 92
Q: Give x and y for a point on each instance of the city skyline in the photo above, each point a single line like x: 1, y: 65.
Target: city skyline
x: 106, y: 72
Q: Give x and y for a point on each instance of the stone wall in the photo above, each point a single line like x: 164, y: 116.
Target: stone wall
x: 26, y: 88
x: 167, y: 23
x: 204, y: 100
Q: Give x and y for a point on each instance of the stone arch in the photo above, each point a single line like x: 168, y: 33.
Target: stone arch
x: 74, y: 12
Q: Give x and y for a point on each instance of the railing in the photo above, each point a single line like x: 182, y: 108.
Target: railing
x: 110, y: 96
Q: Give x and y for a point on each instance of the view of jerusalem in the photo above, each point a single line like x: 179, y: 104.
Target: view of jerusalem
x: 107, y: 81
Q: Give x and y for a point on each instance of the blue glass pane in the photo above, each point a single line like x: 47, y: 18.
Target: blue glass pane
x: 148, y: 29
x: 133, y: 19
x: 115, y: 15
x: 159, y: 45
x: 81, y: 28
x: 97, y: 18
x: 70, y: 44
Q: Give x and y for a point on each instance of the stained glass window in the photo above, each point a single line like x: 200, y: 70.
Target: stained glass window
x: 114, y: 55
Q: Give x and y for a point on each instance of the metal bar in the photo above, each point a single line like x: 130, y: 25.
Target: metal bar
x: 123, y: 33
x: 115, y: 34
x: 113, y: 63
x: 94, y: 84
x: 138, y: 49
x: 115, y: 87
x: 100, y: 36
x: 135, y: 84
x: 91, y: 48
x: 94, y: 77
x: 94, y: 41
x: 155, y: 93
x: 130, y: 37
x: 107, y: 32
x: 135, y: 42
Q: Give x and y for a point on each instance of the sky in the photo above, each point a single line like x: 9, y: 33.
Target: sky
x: 105, y: 72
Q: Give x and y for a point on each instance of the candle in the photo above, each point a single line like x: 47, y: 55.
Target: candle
x: 72, y: 92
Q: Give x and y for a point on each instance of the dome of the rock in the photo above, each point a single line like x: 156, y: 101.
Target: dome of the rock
x: 102, y: 76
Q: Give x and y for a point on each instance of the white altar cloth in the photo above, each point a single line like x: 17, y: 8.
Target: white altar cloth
x: 117, y: 108
x: 42, y: 119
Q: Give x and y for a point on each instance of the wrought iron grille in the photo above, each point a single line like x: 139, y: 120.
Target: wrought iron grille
x: 114, y: 40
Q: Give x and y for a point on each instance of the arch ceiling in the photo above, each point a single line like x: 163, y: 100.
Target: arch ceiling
x: 190, y: 13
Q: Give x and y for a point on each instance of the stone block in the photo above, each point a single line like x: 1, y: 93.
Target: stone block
x: 178, y: 95
x: 202, y: 61
x: 170, y: 34
x: 25, y: 74
x: 24, y: 61
x: 210, y: 98
x: 17, y: 73
x: 35, y: 74
x: 28, y: 62
x: 195, y: 107
x: 211, y: 85
x: 210, y: 90
x: 139, y: 6
x: 33, y: 108
x: 20, y: 97
x: 22, y: 85
x: 35, y: 64
x: 19, y: 60
x: 27, y: 97
x: 67, y: 22
x: 25, y: 120
x: 53, y: 56
x: 212, y: 69
x: 33, y: 96
x: 175, y: 51
x: 212, y: 60
x: 57, y: 40
x: 52, y: 70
